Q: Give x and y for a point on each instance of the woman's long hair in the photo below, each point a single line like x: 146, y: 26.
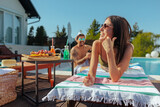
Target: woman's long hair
x: 121, y: 30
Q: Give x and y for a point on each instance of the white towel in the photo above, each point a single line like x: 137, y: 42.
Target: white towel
x: 78, y: 67
x: 6, y: 70
x: 133, y: 88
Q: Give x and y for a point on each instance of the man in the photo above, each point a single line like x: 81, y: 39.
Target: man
x: 81, y: 53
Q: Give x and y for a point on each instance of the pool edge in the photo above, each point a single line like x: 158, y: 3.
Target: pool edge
x: 154, y: 78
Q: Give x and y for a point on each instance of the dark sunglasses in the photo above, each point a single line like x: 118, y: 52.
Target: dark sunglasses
x: 105, y: 25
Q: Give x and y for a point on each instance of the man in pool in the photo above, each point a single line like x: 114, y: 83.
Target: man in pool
x: 81, y: 53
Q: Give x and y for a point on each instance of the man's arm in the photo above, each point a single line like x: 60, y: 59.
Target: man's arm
x: 75, y: 56
x: 89, y: 51
x: 90, y: 47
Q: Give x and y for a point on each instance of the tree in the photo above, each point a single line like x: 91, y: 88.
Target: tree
x: 30, y: 38
x: 41, y: 36
x: 93, y: 32
x: 143, y: 43
x: 57, y: 32
x: 61, y: 34
x: 157, y: 39
x: 136, y: 30
x: 61, y: 37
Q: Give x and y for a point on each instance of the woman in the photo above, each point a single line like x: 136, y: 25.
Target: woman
x: 113, y: 49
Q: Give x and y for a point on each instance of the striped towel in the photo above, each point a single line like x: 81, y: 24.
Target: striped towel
x: 133, y: 88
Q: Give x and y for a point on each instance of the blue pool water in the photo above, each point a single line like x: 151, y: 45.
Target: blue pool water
x: 151, y: 66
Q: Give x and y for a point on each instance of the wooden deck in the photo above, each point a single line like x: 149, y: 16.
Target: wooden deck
x: 29, y: 85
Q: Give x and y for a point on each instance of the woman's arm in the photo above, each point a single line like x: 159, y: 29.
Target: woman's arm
x: 89, y: 80
x: 94, y: 58
x: 116, y: 71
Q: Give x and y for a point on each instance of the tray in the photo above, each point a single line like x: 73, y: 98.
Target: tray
x: 40, y: 58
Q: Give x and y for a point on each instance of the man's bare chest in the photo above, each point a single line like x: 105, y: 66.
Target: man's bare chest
x: 82, y: 52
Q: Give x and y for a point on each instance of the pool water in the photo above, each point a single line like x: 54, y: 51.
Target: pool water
x: 151, y: 66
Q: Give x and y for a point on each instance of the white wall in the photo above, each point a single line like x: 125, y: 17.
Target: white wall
x: 15, y: 7
x: 26, y: 49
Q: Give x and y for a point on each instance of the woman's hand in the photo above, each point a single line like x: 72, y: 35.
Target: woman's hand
x: 88, y: 80
x: 108, y: 44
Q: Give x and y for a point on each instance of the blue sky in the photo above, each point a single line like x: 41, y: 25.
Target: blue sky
x: 81, y: 13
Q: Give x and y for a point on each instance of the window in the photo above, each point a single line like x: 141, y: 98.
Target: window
x: 17, y: 26
x: 10, y: 28
x: 1, y: 27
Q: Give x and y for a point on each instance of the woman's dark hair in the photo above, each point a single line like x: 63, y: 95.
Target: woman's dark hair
x: 79, y: 36
x: 121, y: 30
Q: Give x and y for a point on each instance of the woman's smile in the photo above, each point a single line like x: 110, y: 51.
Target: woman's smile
x: 102, y: 36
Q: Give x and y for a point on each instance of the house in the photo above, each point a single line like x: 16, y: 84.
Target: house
x: 14, y: 15
x: 13, y: 21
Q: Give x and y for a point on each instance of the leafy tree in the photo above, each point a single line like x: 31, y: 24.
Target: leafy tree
x: 30, y: 38
x: 41, y: 36
x: 57, y: 32
x: 61, y: 37
x: 61, y: 34
x: 157, y: 38
x: 143, y: 43
x: 93, y: 32
x: 136, y: 30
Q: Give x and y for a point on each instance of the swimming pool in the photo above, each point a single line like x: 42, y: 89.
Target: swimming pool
x: 151, y: 66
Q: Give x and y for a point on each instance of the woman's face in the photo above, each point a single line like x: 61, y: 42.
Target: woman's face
x: 106, y: 30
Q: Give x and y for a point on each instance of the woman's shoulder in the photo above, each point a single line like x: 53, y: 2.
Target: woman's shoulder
x: 96, y: 42
x: 97, y: 45
x: 130, y: 46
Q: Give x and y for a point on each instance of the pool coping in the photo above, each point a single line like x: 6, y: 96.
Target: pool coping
x: 154, y: 78
x: 147, y: 58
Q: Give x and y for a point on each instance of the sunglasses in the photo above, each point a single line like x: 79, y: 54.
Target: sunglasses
x: 81, y: 39
x: 105, y: 25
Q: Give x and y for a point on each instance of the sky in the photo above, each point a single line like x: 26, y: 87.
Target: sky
x: 81, y: 13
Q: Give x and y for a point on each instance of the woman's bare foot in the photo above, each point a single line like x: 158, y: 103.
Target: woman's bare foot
x: 88, y: 80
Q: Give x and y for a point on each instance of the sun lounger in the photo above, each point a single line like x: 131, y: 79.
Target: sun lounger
x: 5, y: 53
x: 134, y: 88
